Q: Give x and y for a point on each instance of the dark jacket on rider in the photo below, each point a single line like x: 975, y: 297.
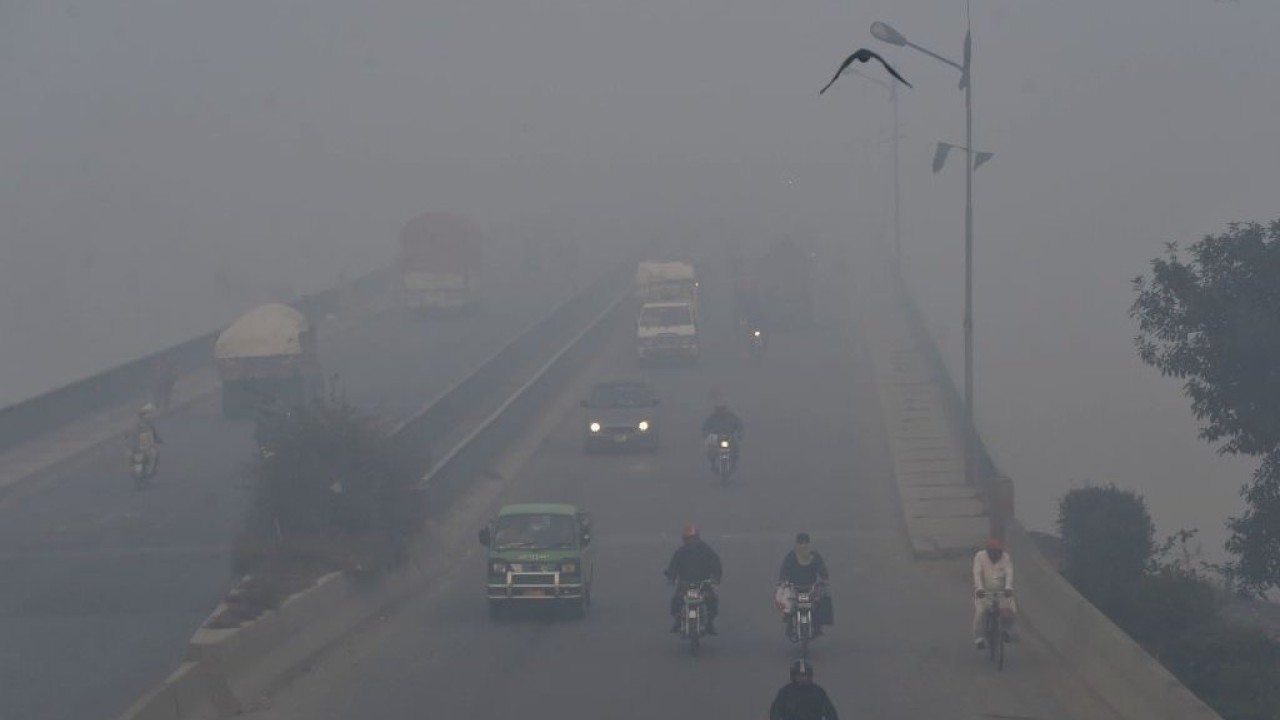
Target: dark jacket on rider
x: 722, y: 422
x: 797, y: 574
x: 802, y: 701
x: 693, y: 563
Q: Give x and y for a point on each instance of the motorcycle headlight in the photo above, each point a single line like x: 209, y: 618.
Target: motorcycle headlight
x: 756, y: 333
x: 724, y: 443
x: 594, y: 427
x: 569, y: 568
x: 643, y: 426
x: 498, y: 568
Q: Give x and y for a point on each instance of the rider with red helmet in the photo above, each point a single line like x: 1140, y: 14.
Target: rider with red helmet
x: 694, y: 562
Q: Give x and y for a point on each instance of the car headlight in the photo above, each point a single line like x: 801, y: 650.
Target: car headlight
x: 498, y: 568
x: 643, y: 426
x: 594, y: 427
x: 569, y: 568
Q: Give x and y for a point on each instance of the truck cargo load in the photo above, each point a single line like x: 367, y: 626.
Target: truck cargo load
x: 266, y: 356
x: 440, y: 258
x: 666, y: 281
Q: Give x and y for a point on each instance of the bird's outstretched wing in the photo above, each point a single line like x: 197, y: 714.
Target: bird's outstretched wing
x: 843, y: 66
x: 862, y: 55
x: 888, y: 67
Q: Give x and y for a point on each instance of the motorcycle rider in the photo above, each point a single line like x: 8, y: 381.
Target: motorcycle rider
x: 992, y: 573
x: 801, y: 699
x: 694, y: 562
x: 146, y: 439
x: 805, y: 567
x: 722, y: 421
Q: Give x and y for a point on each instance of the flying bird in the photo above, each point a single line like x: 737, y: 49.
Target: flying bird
x: 863, y: 55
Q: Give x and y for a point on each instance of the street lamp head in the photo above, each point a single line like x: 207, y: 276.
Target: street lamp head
x: 885, y: 33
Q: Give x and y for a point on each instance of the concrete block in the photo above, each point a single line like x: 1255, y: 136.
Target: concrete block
x: 946, y: 508
x: 943, y: 492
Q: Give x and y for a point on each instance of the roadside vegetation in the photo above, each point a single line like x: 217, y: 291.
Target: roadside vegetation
x: 1210, y: 316
x: 334, y: 495
x: 1166, y: 600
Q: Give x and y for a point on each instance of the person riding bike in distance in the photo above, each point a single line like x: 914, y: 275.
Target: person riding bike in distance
x: 805, y: 567
x: 722, y: 421
x: 145, y: 439
x: 801, y: 699
x: 992, y: 573
x: 694, y: 562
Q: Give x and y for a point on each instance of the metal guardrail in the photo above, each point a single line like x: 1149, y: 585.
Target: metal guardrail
x: 49, y: 411
x: 514, y: 383
x: 545, y: 345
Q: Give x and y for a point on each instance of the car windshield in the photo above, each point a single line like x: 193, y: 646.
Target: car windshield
x: 621, y: 396
x: 535, y: 532
x: 665, y: 316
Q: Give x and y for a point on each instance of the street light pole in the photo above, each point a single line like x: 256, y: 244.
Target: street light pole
x: 897, y: 185
x: 892, y: 87
x: 888, y: 34
x: 968, y: 265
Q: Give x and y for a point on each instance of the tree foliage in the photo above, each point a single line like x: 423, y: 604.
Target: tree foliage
x: 1212, y: 319
x: 335, y: 492
x: 1255, y: 535
x: 1108, y: 541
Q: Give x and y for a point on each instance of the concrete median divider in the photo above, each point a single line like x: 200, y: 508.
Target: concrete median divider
x: 1132, y: 682
x: 227, y: 668
x: 924, y: 419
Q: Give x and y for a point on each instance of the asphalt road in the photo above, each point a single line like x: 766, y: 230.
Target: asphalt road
x: 814, y: 459
x: 102, y: 586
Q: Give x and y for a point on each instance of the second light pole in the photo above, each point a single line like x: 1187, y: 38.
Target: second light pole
x: 886, y: 33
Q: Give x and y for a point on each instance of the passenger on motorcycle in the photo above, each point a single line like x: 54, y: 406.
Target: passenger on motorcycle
x: 721, y: 421
x: 801, y: 699
x: 805, y: 567
x: 694, y: 562
x: 992, y: 573
x: 145, y: 437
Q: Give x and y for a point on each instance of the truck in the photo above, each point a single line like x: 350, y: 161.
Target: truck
x: 667, y: 330
x: 776, y: 289
x: 666, y: 281
x: 538, y: 554
x: 440, y: 258
x: 267, y: 356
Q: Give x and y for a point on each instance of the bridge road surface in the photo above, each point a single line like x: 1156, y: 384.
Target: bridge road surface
x: 102, y: 586
x: 814, y: 459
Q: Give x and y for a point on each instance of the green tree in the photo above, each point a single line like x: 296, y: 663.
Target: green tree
x: 335, y: 493
x: 1108, y: 541
x: 1212, y: 320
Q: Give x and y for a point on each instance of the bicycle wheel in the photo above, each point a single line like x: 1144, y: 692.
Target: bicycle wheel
x: 993, y: 634
x: 998, y: 642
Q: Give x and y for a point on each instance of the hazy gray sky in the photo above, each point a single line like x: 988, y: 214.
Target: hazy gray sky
x: 167, y: 163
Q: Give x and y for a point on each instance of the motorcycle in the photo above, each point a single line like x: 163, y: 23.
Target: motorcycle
x: 804, y: 598
x: 693, y: 611
x: 144, y: 465
x: 724, y: 456
x: 755, y: 343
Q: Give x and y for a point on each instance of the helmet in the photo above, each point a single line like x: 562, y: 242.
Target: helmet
x: 995, y: 544
x: 801, y: 668
x: 690, y: 531
x: 146, y: 409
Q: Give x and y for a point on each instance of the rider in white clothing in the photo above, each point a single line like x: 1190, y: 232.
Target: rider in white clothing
x: 992, y: 573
